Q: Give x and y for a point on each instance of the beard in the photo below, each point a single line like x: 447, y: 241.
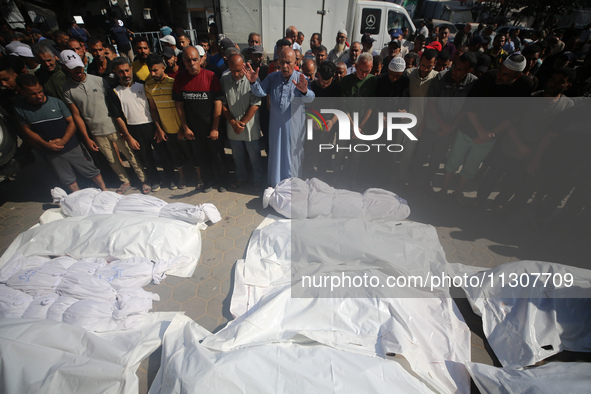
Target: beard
x: 338, y: 48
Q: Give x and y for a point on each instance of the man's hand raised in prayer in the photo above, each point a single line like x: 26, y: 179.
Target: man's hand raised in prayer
x: 250, y: 74
x: 302, y: 84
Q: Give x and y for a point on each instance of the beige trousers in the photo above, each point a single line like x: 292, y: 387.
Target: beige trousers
x: 105, y: 142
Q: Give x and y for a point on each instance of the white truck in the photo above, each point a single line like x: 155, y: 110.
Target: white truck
x: 272, y: 17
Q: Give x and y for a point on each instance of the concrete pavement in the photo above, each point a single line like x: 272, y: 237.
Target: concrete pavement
x: 468, y: 236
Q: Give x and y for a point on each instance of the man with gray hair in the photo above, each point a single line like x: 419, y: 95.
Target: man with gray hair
x: 240, y: 108
x: 361, y: 83
x: 50, y: 74
x: 286, y: 133
x: 291, y: 33
x: 340, y: 47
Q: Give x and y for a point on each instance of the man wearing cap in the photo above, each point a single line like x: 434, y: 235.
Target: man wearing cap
x: 256, y: 56
x: 447, y: 95
x: 240, y: 107
x: 26, y: 54
x: 142, y: 50
x: 76, y: 45
x: 169, y: 42
x: 172, y: 68
x: 340, y: 47
x: 87, y: 97
x: 255, y: 39
x: 392, y: 83
x: 367, y: 42
x: 101, y: 65
x: 120, y: 34
x: 50, y: 74
x: 391, y: 51
x: 166, y: 118
x: 197, y: 94
x: 396, y: 37
x: 286, y: 133
x: 477, y: 132
x: 48, y: 125
x: 218, y: 59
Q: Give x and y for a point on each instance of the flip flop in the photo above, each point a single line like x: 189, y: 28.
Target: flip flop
x: 146, y: 188
x: 123, y: 189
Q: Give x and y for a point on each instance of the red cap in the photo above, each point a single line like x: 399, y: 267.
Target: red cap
x: 435, y: 45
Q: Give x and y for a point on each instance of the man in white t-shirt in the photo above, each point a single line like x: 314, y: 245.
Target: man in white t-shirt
x: 136, y: 109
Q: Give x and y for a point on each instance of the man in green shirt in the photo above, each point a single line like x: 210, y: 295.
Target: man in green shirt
x: 50, y: 74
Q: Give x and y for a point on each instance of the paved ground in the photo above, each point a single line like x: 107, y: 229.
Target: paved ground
x: 468, y: 236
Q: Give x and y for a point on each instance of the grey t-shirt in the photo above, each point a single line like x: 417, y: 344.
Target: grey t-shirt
x: 89, y: 97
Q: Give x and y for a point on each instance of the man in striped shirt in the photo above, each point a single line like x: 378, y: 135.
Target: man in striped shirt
x: 168, y: 125
x: 48, y: 125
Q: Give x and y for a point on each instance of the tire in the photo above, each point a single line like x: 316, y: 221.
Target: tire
x: 7, y: 141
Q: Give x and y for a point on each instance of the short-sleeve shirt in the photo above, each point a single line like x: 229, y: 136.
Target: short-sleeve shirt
x: 198, y: 92
x: 351, y: 86
x: 161, y: 93
x: 134, y: 103
x: 89, y: 97
x: 238, y: 98
x: 48, y: 120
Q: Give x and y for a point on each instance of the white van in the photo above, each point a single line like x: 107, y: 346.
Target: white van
x: 272, y: 17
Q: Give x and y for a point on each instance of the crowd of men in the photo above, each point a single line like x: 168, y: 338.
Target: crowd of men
x: 176, y: 109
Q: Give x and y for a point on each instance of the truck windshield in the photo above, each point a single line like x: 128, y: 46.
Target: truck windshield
x: 397, y: 20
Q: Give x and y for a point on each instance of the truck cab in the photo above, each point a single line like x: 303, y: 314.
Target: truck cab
x: 378, y: 18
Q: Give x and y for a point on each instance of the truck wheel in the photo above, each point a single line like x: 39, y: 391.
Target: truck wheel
x: 7, y: 142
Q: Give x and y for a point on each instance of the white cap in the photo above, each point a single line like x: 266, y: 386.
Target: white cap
x: 342, y: 31
x: 22, y: 50
x: 169, y: 40
x: 514, y: 65
x: 70, y: 59
x: 397, y: 65
x: 201, y: 50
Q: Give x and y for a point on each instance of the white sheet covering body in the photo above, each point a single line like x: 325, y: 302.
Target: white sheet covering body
x: 551, y: 378
x: 429, y: 331
x: 43, y: 356
x: 287, y: 367
x: 525, y: 325
x: 114, y: 237
x: 96, y: 202
x: 298, y: 199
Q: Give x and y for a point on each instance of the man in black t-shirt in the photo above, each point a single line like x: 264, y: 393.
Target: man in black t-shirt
x: 197, y: 94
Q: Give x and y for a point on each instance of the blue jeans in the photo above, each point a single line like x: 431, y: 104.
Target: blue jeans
x: 239, y: 150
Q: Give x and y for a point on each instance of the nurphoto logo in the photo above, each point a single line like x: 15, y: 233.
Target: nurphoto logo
x: 393, y: 121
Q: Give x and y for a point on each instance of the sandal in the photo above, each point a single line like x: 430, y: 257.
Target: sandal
x: 200, y: 184
x: 123, y: 189
x: 146, y: 188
